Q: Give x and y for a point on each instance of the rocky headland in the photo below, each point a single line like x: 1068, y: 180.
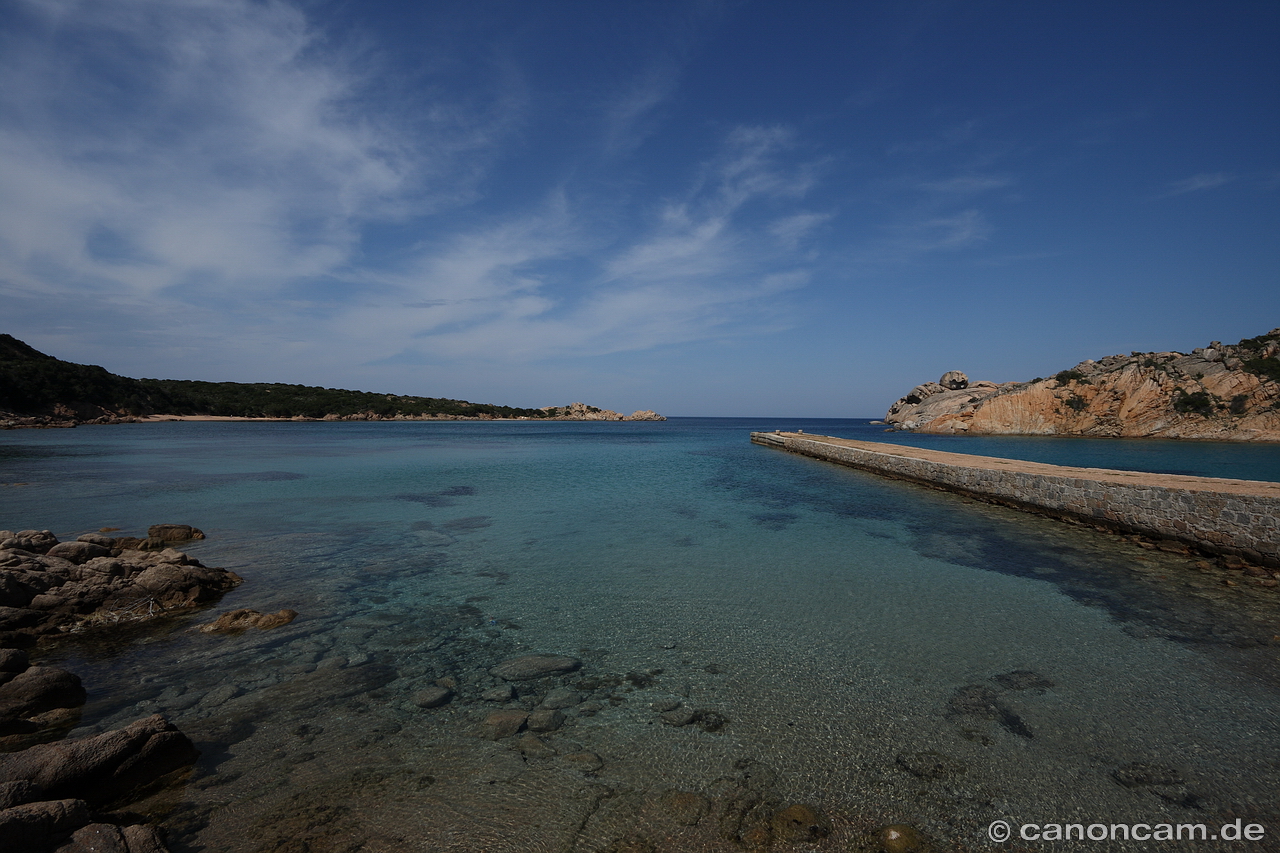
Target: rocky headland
x: 1222, y: 391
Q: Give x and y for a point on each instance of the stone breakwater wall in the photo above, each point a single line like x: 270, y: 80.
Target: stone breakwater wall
x: 1234, y: 517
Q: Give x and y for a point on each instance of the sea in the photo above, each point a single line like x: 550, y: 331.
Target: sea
x: 775, y: 652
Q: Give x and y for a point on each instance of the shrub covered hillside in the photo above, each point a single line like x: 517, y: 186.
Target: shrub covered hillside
x: 35, y: 384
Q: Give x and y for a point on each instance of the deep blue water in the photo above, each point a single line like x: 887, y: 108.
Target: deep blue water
x: 841, y: 623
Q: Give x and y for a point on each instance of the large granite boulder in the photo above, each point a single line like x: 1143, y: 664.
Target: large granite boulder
x: 174, y: 532
x: 106, y: 769
x: 32, y: 541
x: 108, y: 838
x: 923, y: 391
x: 954, y: 380
x: 78, y: 552
x: 47, y: 791
x: 36, y: 690
x: 34, y: 827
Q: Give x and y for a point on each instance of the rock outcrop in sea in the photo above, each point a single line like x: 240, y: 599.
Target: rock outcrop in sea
x: 1222, y: 391
x: 51, y: 587
x: 583, y: 412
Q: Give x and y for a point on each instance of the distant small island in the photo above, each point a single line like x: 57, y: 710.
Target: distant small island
x: 1227, y: 392
x: 39, y: 390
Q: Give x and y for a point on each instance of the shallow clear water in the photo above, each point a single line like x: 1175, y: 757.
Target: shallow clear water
x: 856, y: 633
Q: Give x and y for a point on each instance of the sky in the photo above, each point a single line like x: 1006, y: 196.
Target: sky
x: 755, y: 209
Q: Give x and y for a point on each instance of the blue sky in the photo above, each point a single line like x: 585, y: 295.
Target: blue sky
x: 738, y: 209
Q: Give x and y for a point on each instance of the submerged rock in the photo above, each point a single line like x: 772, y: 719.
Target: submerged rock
x: 531, y: 746
x: 799, y: 824
x: 431, y: 697
x: 546, y: 720
x: 1022, y: 679
x: 587, y: 762
x: 931, y: 765
x: 683, y: 808
x: 502, y: 724
x: 682, y: 715
x: 502, y: 693
x: 561, y: 697
x: 239, y: 621
x: 527, y: 667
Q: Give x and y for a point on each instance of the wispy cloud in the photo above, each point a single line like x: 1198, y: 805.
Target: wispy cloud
x: 629, y: 118
x: 971, y: 184
x: 790, y: 230
x: 946, y: 232
x: 702, y: 267
x: 204, y: 141
x: 1195, y: 183
x: 213, y: 171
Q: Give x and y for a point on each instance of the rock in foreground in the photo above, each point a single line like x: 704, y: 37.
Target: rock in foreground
x: 1226, y: 392
x: 102, y: 770
x: 47, y: 791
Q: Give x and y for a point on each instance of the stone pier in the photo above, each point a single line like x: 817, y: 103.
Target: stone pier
x: 1234, y: 517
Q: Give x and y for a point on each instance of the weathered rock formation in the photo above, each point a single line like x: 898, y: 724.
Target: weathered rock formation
x: 48, y: 791
x: 35, y: 701
x: 1229, y: 392
x: 52, y: 587
x: 583, y: 412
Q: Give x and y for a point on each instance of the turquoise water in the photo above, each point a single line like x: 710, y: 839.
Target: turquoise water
x: 857, y: 634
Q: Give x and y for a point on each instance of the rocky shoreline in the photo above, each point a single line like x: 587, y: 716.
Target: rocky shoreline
x: 49, y: 587
x: 68, y: 796
x: 1228, y: 392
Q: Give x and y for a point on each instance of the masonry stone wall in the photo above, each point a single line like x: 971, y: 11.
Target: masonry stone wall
x: 1245, y: 525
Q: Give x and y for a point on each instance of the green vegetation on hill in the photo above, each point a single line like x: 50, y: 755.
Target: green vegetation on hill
x: 1255, y: 362
x: 32, y: 383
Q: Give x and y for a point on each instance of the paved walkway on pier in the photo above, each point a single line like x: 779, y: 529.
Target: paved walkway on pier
x: 1227, y: 516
